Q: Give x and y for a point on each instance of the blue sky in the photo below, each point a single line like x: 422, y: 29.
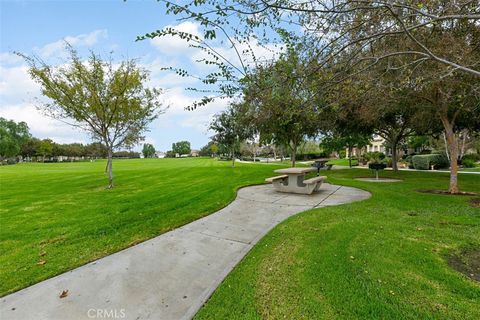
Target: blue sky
x: 38, y: 27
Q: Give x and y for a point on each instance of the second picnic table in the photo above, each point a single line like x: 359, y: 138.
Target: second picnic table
x: 293, y: 180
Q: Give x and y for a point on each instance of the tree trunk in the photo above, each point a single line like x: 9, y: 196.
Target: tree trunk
x: 394, y: 156
x: 109, y: 169
x: 464, y: 139
x: 294, y: 154
x: 453, y: 153
x: 350, y: 151
x: 446, y: 145
x: 233, y: 157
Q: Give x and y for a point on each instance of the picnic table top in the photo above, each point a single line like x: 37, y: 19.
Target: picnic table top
x: 295, y: 170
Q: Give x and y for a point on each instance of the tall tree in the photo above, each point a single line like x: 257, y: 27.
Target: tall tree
x: 12, y: 137
x: 30, y: 148
x: 387, y: 106
x: 352, y: 28
x: 45, y: 148
x: 282, y: 104
x: 107, y: 99
x: 230, y: 129
x: 148, y: 150
x: 181, y: 147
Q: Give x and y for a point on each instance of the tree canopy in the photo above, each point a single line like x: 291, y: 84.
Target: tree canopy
x: 181, y: 147
x: 12, y: 136
x: 105, y: 98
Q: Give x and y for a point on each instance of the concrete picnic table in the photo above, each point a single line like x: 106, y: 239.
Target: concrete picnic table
x: 293, y: 180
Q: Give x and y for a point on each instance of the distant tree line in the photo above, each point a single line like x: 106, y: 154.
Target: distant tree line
x: 16, y: 143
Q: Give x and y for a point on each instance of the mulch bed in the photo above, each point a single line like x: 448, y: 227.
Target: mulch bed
x: 444, y: 192
x: 467, y: 262
x: 475, y: 202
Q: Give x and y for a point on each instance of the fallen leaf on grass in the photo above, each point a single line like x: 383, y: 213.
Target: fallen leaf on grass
x: 41, y: 262
x: 63, y: 294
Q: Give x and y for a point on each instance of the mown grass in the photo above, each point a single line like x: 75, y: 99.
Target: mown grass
x: 382, y: 258
x: 343, y: 162
x: 476, y: 169
x: 58, y: 216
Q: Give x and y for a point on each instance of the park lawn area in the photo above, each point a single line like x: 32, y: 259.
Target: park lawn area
x: 58, y: 216
x: 343, y: 162
x: 476, y: 169
x: 382, y: 258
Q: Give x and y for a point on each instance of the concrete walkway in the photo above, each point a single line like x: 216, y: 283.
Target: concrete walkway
x: 171, y: 276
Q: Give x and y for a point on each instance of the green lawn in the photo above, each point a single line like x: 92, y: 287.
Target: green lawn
x: 61, y: 213
x: 343, y: 162
x: 476, y: 169
x: 382, y: 258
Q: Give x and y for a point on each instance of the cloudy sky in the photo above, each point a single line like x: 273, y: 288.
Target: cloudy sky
x: 40, y: 27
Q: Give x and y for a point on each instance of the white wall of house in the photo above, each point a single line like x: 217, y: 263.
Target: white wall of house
x: 377, y: 144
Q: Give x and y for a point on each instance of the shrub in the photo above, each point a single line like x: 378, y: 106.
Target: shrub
x: 376, y: 156
x: 8, y: 161
x: 468, y: 163
x: 388, y: 161
x: 439, y: 160
x: 424, y: 161
x: 421, y: 162
x: 472, y: 156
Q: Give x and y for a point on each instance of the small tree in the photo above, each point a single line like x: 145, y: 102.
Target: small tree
x: 229, y: 129
x: 45, y: 148
x: 148, y: 150
x: 108, y: 101
x: 181, y: 147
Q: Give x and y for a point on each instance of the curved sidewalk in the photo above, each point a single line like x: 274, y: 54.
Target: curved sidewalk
x: 169, y: 277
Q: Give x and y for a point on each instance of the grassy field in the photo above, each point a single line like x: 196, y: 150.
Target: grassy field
x: 476, y: 169
x: 383, y: 258
x: 58, y: 216
x: 343, y: 162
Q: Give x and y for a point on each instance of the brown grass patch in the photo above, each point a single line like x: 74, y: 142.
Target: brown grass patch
x: 467, y: 262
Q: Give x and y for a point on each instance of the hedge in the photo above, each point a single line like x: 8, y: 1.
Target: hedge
x: 425, y: 161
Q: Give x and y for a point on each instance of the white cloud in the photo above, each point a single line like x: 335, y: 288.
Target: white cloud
x: 42, y: 126
x: 57, y: 48
x: 241, y: 53
x: 7, y: 58
x: 173, y: 45
x: 200, y: 118
x: 165, y: 79
x: 16, y: 84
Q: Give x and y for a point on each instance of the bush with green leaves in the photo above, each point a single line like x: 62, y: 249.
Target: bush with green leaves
x: 421, y: 162
x: 468, y: 163
x: 374, y: 157
x: 472, y: 156
x: 439, y: 160
x: 425, y: 161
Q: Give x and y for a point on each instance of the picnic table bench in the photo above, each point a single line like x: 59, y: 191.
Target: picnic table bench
x: 293, y: 180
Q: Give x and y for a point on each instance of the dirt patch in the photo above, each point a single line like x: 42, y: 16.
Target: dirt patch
x: 467, y: 262
x: 445, y: 192
x: 475, y: 202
